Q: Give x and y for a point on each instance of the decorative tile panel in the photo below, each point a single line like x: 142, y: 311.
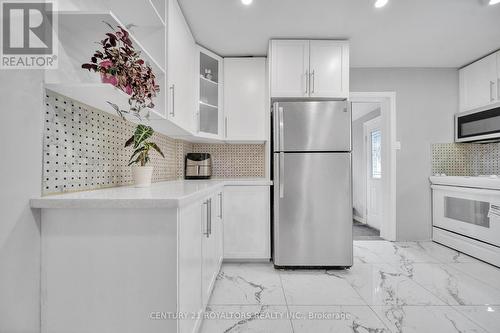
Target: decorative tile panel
x: 235, y: 160
x: 466, y: 159
x: 83, y: 149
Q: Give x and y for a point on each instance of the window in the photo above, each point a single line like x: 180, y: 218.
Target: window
x: 376, y: 145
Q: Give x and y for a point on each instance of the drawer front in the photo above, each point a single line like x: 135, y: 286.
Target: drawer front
x: 468, y: 212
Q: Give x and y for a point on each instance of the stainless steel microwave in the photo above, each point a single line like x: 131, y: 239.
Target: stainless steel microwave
x: 479, y: 125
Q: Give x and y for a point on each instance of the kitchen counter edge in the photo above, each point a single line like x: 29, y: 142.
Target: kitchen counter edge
x: 160, y: 195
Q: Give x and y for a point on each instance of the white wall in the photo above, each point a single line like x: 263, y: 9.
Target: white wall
x: 20, y: 179
x: 359, y: 163
x: 426, y: 100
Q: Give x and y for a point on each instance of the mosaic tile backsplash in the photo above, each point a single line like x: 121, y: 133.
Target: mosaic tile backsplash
x: 83, y: 150
x: 466, y: 159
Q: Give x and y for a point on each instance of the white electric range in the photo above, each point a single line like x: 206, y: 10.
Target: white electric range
x: 466, y: 215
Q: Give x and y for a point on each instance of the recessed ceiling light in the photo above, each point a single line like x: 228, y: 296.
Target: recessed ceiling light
x: 246, y: 2
x: 494, y: 2
x: 382, y: 3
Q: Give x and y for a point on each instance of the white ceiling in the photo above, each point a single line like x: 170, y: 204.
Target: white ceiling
x: 359, y: 109
x: 405, y: 33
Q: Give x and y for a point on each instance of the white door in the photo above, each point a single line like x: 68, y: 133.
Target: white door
x: 181, y: 75
x: 329, y: 68
x: 289, y: 68
x: 245, y: 98
x: 478, y: 83
x: 374, y: 194
x: 247, y: 230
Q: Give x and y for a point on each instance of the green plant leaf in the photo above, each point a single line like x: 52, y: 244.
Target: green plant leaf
x: 142, y: 133
x: 134, y: 162
x: 129, y: 141
x: 155, y: 147
x: 137, y: 151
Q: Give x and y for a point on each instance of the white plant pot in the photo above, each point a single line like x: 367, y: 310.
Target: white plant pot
x: 142, y: 175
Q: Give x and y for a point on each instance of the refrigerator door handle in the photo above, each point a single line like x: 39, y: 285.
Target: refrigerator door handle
x: 281, y: 174
x: 275, y: 127
x: 281, y: 130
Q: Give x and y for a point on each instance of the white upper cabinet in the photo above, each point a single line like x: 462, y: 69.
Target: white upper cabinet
x: 479, y: 83
x: 209, y: 85
x: 329, y: 68
x: 245, y: 99
x: 181, y: 74
x: 316, y: 68
x: 289, y: 68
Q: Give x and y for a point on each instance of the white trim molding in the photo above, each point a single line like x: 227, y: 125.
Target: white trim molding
x: 388, y: 229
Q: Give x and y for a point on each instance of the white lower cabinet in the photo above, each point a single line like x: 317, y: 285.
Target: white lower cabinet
x: 247, y: 232
x: 200, y: 257
x: 130, y: 269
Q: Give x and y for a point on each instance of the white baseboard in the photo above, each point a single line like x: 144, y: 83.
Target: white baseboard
x: 472, y: 247
x: 359, y: 219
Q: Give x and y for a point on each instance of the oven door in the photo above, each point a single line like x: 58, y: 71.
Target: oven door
x: 467, y: 211
x: 478, y: 125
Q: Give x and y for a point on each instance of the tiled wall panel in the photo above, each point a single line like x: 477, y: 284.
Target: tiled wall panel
x: 83, y: 149
x: 466, y: 159
x: 235, y: 160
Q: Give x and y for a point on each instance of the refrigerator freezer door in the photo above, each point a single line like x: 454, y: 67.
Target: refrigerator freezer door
x: 312, y: 209
x: 312, y: 126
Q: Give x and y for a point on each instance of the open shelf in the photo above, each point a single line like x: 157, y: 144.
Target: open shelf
x: 204, y: 79
x: 97, y: 95
x: 208, y: 105
x: 77, y: 37
x: 81, y: 30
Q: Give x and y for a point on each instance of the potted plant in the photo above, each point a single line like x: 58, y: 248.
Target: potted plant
x: 140, y: 156
x: 120, y: 64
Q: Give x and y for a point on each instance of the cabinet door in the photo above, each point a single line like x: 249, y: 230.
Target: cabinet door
x: 329, y: 69
x: 218, y: 230
x: 181, y: 59
x: 190, y: 263
x: 246, y: 222
x: 478, y: 83
x: 289, y: 68
x: 210, y: 266
x: 209, y: 78
x: 245, y: 99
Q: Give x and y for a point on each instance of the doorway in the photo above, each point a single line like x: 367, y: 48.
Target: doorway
x: 366, y: 170
x: 373, y: 165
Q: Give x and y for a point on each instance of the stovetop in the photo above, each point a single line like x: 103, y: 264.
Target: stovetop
x: 481, y: 181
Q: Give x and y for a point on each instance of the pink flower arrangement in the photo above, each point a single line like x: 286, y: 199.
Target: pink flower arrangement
x: 121, y: 66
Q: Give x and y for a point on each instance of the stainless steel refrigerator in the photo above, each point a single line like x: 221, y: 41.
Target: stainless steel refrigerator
x: 312, y: 225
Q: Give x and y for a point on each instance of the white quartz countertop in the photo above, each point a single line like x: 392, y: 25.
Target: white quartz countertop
x: 484, y: 182
x: 168, y: 194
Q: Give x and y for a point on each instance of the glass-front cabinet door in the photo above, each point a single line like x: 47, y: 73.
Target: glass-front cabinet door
x: 209, y: 82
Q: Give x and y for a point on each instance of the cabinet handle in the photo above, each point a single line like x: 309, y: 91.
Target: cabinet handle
x: 225, y: 126
x: 492, y: 84
x: 498, y: 88
x: 209, y: 219
x: 307, y: 83
x: 220, y: 205
x: 205, y: 232
x: 172, y: 89
x: 313, y: 82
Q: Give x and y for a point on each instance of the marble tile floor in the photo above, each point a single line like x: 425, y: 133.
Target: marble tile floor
x: 420, y: 287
